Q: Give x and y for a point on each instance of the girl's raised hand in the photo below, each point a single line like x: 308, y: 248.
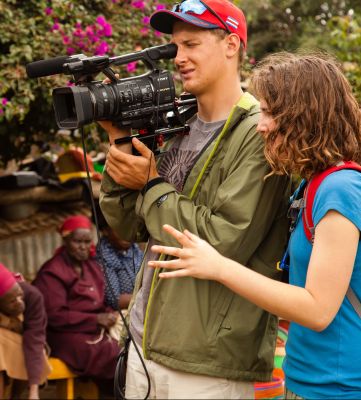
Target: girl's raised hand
x: 196, y: 258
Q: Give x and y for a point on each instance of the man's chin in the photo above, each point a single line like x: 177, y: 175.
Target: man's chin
x: 190, y: 89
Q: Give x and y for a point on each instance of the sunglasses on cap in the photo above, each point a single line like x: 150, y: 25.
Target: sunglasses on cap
x: 198, y: 7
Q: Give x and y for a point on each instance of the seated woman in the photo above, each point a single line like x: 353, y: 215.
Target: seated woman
x: 72, y: 284
x: 121, y: 261
x: 22, y: 335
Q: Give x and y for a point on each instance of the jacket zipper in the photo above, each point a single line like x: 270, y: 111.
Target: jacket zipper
x: 161, y: 258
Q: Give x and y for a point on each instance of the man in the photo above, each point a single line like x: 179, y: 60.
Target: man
x: 22, y: 334
x: 199, y: 340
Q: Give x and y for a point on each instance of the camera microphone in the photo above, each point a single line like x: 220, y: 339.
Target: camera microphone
x: 51, y: 66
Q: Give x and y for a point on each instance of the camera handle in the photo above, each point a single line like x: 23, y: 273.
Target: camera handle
x: 156, y: 138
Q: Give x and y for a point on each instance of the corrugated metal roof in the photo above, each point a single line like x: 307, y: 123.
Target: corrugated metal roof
x: 26, y: 254
x: 26, y: 244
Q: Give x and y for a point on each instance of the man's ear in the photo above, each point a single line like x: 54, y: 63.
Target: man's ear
x: 233, y: 45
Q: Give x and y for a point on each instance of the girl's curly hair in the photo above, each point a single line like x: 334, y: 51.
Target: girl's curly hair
x: 316, y: 115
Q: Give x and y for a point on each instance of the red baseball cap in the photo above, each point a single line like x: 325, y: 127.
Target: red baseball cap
x: 207, y: 14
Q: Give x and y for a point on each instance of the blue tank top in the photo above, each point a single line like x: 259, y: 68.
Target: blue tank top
x: 327, y: 364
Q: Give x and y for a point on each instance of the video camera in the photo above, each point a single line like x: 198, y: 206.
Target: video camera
x: 146, y: 102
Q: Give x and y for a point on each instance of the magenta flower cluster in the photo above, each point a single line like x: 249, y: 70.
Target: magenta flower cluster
x: 145, y: 20
x: 89, y: 39
x: 92, y: 38
x: 4, y: 102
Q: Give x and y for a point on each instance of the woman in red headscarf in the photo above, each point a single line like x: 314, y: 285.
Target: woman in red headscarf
x: 72, y: 284
x: 22, y: 336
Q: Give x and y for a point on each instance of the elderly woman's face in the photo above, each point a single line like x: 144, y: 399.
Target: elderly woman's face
x: 12, y: 302
x: 78, y: 244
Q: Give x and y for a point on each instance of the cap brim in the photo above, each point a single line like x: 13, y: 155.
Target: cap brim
x: 164, y: 20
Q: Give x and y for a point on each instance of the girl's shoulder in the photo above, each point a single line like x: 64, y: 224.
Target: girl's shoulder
x: 339, y: 191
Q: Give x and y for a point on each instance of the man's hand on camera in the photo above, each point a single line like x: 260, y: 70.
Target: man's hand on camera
x: 131, y: 171
x: 114, y: 133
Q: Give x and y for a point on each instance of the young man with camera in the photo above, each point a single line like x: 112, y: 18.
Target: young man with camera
x: 198, y: 339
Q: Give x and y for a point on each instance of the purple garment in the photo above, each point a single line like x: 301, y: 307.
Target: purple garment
x: 72, y: 304
x: 34, y: 334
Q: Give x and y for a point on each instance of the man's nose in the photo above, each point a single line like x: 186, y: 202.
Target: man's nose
x: 180, y: 57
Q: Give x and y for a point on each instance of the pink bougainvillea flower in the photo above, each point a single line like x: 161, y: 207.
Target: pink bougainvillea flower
x: 70, y: 83
x: 79, y: 32
x: 66, y: 39
x: 81, y: 44
x: 55, y: 27
x: 107, y: 31
x: 78, y: 25
x: 144, y: 31
x: 160, y: 7
x: 102, y: 49
x: 146, y: 20
x: 48, y: 10
x: 138, y: 4
x: 89, y: 30
x: 101, y: 20
x: 94, y: 38
x: 4, y: 101
x: 70, y: 50
x: 156, y: 33
x: 131, y: 67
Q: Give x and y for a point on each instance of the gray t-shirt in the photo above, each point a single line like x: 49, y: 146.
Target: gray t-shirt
x: 175, y: 166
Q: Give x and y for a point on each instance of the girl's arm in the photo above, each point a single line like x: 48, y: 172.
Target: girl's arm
x: 315, y: 306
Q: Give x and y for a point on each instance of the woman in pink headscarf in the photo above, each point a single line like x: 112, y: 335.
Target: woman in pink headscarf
x: 22, y: 336
x: 72, y: 284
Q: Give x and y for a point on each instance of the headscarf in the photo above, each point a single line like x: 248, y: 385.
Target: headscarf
x: 74, y: 222
x: 7, y: 280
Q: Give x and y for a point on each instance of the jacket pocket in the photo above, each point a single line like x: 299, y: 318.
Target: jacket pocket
x: 221, y: 307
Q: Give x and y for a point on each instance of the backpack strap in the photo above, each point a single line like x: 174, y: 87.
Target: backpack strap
x: 308, y: 226
x: 310, y: 194
x: 355, y: 302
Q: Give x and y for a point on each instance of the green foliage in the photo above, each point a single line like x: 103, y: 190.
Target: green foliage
x: 345, y: 35
x: 38, y: 29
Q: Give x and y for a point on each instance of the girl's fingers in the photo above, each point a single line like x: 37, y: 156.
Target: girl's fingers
x: 194, y: 238
x: 174, y: 274
x: 170, y: 251
x: 171, y: 264
x: 179, y: 236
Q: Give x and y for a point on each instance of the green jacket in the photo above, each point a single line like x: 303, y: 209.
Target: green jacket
x: 200, y: 326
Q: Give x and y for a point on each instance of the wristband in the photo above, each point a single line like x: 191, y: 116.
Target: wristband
x: 151, y: 183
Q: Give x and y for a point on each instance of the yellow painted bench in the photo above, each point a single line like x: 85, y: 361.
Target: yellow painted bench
x: 65, y: 385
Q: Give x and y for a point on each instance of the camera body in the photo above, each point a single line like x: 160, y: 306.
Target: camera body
x: 131, y: 102
x: 146, y: 102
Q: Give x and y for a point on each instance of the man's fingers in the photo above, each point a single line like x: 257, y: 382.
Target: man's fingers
x: 179, y: 236
x: 141, y: 148
x: 107, y: 80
